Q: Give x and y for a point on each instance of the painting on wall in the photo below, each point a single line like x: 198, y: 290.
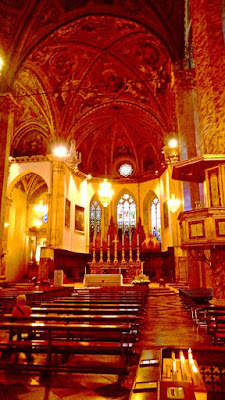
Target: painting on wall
x: 79, y: 218
x: 165, y: 214
x: 67, y: 213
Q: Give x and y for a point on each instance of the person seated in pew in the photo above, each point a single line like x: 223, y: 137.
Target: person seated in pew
x: 19, y: 311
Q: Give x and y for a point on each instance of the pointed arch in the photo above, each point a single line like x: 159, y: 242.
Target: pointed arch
x: 96, y: 215
x: 130, y: 203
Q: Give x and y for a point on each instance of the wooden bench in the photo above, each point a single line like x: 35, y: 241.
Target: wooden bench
x: 201, y: 295
x: 67, y: 339
x: 134, y: 320
x: 84, y: 310
x: 95, y: 304
x: 204, y: 314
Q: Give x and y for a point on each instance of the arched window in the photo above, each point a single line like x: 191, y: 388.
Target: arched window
x: 95, y: 218
x: 156, y: 219
x: 126, y: 213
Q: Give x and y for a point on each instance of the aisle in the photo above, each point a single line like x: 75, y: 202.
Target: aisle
x: 167, y: 323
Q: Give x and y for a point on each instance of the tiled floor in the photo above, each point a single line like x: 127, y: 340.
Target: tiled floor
x: 166, y: 324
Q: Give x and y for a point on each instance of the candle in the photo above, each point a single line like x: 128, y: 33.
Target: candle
x: 138, y: 239
x: 183, y: 366
x: 101, y: 241
x: 190, y: 357
x: 195, y: 375
x: 122, y: 239
x: 108, y: 240
x: 94, y: 241
x: 182, y: 358
x: 130, y: 238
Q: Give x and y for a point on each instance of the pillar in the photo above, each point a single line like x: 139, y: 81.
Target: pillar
x: 188, y: 128
x: 209, y: 56
x: 7, y: 123
x: 56, y: 205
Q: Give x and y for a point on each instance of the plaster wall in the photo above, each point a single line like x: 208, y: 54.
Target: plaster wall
x: 77, y: 192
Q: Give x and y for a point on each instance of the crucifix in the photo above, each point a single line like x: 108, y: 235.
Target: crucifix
x: 115, y: 250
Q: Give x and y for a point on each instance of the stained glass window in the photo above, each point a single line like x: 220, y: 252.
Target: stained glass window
x: 95, y: 219
x: 156, y: 219
x: 125, y: 170
x: 126, y: 213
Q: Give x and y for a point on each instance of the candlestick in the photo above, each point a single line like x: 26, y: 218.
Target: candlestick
x: 138, y: 239
x: 130, y: 242
x: 101, y: 241
x: 122, y: 239
x: 108, y: 240
x: 115, y: 251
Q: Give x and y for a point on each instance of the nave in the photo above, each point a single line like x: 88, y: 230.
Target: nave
x: 167, y: 323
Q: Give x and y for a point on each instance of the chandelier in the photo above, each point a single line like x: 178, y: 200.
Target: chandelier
x: 173, y: 203
x: 71, y: 158
x: 74, y: 158
x: 105, y: 193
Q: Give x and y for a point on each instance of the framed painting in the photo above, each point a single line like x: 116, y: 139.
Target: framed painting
x: 67, y: 213
x: 165, y: 215
x: 79, y: 218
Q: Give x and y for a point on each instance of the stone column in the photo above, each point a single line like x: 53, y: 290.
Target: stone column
x: 171, y: 158
x: 7, y: 105
x: 8, y: 203
x: 209, y: 56
x: 188, y: 128
x: 56, y: 205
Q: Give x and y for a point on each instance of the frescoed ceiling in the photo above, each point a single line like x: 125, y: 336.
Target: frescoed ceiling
x: 99, y: 72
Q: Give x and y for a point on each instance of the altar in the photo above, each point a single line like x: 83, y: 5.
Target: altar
x: 128, y: 267
x: 102, y: 280
x: 127, y: 270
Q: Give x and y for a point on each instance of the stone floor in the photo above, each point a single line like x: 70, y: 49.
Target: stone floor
x: 166, y: 324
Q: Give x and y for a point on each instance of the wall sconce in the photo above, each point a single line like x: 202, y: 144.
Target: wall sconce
x: 173, y: 203
x: 105, y: 193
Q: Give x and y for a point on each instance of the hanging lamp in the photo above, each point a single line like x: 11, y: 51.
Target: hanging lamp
x: 105, y: 193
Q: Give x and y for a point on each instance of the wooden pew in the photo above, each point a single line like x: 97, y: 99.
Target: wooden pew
x: 66, y: 339
x: 134, y: 320
x: 83, y: 310
x: 97, y: 304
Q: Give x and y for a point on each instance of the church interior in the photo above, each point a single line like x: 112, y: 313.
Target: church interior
x: 112, y: 196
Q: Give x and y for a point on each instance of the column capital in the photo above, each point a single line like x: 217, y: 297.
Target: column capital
x: 171, y: 155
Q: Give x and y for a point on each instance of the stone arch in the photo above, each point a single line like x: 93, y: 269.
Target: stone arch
x: 20, y: 177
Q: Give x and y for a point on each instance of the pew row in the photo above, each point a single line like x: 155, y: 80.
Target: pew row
x: 54, y: 339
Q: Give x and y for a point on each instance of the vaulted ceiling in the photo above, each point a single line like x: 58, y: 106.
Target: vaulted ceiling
x: 99, y: 72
